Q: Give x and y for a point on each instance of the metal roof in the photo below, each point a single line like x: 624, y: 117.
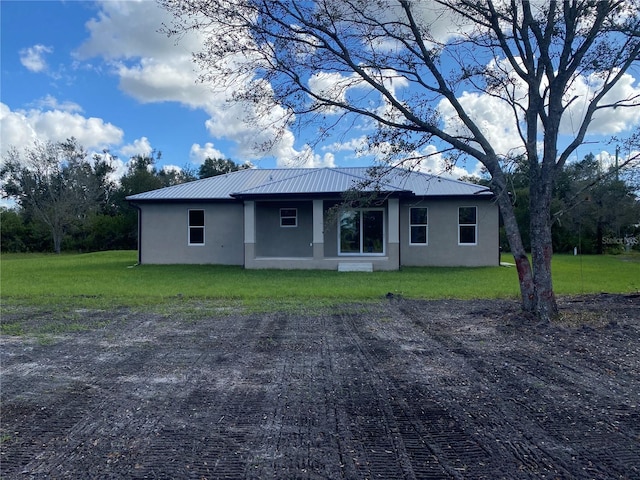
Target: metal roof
x: 310, y: 181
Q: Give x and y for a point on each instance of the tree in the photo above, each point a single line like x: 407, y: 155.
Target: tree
x: 54, y: 183
x: 141, y: 176
x: 593, y: 203
x: 13, y: 231
x: 219, y: 166
x: 392, y: 63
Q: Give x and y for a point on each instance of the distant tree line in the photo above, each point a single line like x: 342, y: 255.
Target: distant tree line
x: 593, y: 208
x: 66, y: 201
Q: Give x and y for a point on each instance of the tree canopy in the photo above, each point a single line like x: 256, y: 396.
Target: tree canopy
x: 65, y: 200
x: 212, y: 167
x: 55, y: 182
x: 415, y: 69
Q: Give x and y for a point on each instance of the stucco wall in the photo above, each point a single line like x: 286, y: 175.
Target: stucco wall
x: 273, y: 240
x: 165, y: 234
x: 443, y: 248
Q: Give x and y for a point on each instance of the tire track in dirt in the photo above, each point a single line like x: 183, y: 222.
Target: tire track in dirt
x: 429, y: 441
x: 548, y: 409
x: 398, y: 390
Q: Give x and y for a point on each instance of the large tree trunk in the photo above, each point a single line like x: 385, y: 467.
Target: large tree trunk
x: 525, y: 275
x: 57, y: 236
x: 545, y: 306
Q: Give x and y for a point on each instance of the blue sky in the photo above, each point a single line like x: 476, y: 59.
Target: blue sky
x: 69, y: 68
x: 101, y: 72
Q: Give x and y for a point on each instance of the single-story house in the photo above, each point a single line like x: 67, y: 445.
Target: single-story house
x: 298, y: 218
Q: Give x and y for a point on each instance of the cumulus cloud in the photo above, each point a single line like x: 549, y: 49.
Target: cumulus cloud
x: 611, y: 120
x: 15, y: 129
x: 33, y: 58
x: 150, y: 66
x: 22, y: 127
x: 496, y: 119
x: 153, y: 80
x: 172, y: 168
x: 153, y: 68
x: 357, y: 146
x: 140, y: 146
x: 49, y: 102
x: 430, y: 160
x: 333, y: 86
x: 199, y: 153
x: 306, y: 158
x: 492, y: 115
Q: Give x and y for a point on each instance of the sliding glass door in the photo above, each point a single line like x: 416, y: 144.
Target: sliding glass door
x: 361, y: 232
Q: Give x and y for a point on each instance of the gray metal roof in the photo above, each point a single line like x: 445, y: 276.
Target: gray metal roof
x: 310, y: 181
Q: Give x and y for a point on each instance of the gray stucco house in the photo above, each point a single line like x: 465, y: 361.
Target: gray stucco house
x: 295, y: 218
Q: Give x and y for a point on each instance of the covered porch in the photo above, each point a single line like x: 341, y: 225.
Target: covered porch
x: 299, y: 233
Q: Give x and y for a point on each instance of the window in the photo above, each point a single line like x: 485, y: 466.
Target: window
x: 196, y: 227
x: 467, y: 226
x: 361, y: 232
x: 288, y: 217
x: 419, y: 226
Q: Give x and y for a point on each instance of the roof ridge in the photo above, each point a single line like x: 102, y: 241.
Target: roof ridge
x: 280, y: 180
x: 364, y: 179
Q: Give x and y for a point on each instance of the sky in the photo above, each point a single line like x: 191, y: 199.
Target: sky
x: 103, y: 73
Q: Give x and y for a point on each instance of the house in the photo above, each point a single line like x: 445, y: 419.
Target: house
x: 298, y: 218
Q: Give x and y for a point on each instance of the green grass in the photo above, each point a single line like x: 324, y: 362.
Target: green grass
x: 111, y: 279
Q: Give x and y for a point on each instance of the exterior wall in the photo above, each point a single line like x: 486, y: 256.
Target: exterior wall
x: 442, y: 248
x: 314, y: 245
x: 273, y: 240
x: 251, y: 235
x: 391, y: 258
x: 165, y: 234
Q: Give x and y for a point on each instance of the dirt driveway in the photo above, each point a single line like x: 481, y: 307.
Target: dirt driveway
x: 393, y: 390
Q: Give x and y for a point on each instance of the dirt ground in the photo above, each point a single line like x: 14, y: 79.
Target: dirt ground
x: 394, y: 390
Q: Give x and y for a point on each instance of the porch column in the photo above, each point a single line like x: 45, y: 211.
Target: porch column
x: 318, y: 230
x: 393, y: 234
x: 249, y: 233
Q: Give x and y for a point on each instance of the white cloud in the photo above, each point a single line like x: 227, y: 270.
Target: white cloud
x: 430, y: 160
x: 153, y: 68
x: 172, y: 168
x: 153, y: 80
x: 427, y: 160
x: 15, y: 129
x: 357, y: 146
x: 150, y: 66
x: 605, y: 122
x: 496, y: 119
x: 199, y: 154
x: 126, y: 29
x: 140, y: 146
x: 21, y: 128
x: 306, y: 158
x: 33, y: 58
x: 333, y: 86
x: 49, y: 102
x: 492, y: 115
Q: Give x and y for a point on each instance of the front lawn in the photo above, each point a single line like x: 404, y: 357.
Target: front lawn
x: 108, y: 279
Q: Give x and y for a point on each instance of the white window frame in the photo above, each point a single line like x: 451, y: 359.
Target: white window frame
x: 384, y: 234
x: 474, y: 225
x: 425, y: 225
x: 295, y: 217
x: 190, y: 227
